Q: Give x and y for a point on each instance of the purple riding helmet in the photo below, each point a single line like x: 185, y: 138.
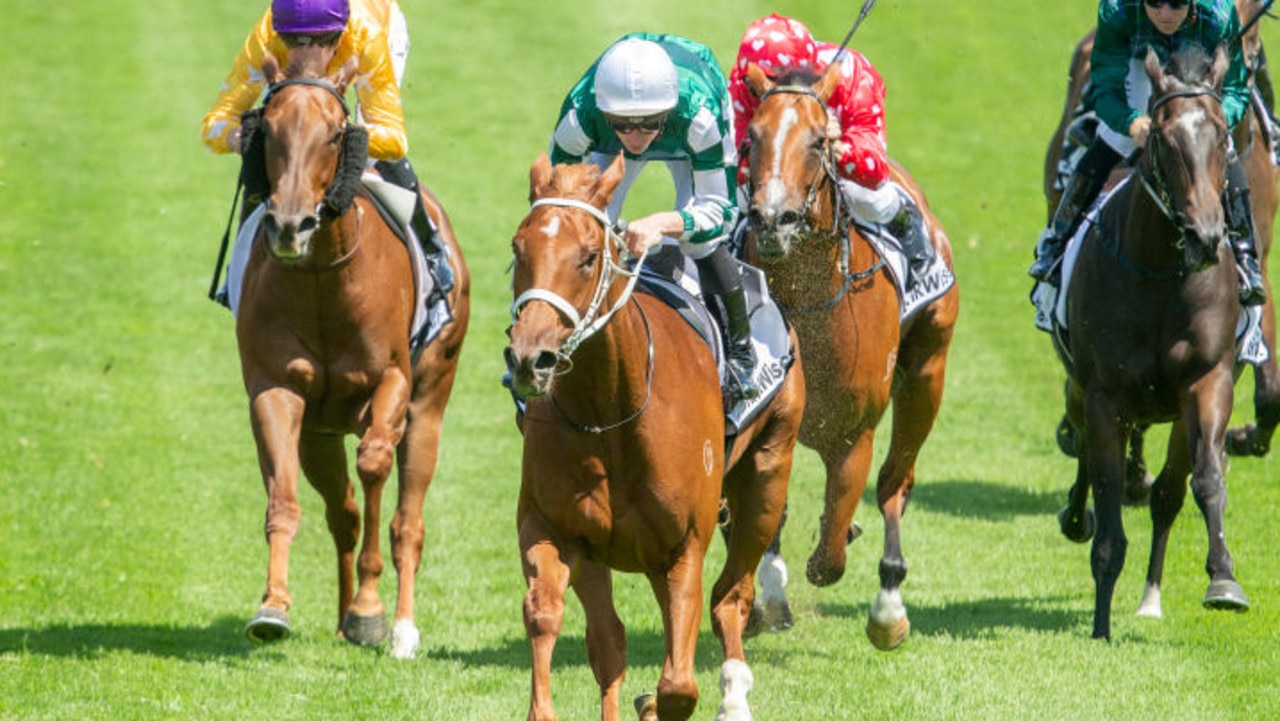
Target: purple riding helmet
x: 309, y: 17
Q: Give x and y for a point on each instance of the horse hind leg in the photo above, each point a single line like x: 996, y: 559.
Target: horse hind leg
x: 771, y: 611
x: 324, y: 462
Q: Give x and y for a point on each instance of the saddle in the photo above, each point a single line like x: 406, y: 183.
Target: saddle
x: 669, y: 275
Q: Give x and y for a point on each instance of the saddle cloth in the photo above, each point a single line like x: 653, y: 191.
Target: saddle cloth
x: 395, y: 204
x: 935, y: 281
x: 671, y: 276
x: 1051, y: 303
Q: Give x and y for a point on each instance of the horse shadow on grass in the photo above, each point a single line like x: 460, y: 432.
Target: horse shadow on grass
x: 980, y: 619
x: 221, y: 639
x: 983, y: 500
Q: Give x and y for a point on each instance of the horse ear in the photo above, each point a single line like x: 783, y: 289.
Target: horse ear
x: 757, y: 82
x: 345, y: 74
x: 827, y: 83
x: 1221, y: 62
x: 539, y: 177
x: 271, y: 69
x: 1154, y: 71
x: 608, y: 181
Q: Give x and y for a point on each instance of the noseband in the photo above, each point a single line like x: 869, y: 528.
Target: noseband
x: 1154, y: 181
x: 588, y: 324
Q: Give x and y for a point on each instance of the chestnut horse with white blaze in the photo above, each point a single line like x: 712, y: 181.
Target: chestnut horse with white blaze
x: 323, y: 328
x: 625, y: 457
x: 845, y: 307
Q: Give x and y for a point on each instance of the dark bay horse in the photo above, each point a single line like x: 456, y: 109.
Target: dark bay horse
x: 845, y: 309
x: 323, y: 330
x: 625, y: 457
x: 1254, y: 145
x: 1152, y: 309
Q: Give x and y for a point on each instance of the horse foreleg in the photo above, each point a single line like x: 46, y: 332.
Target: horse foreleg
x: 1211, y: 404
x: 1168, y: 494
x: 324, y: 462
x: 366, y: 622
x: 771, y: 611
x: 1105, y: 438
x: 606, y: 637
x: 679, y: 596
x: 276, y: 414
x: 419, y: 452
x: 546, y: 574
x: 847, y: 469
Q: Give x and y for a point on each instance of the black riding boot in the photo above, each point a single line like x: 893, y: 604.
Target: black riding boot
x: 719, y: 277
x: 1083, y: 186
x: 1240, y: 229
x: 908, y: 227
x: 401, y: 173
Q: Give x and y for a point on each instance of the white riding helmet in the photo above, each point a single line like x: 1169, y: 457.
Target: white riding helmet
x: 635, y: 78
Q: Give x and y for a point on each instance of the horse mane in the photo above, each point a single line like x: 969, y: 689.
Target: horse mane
x: 803, y: 77
x: 308, y: 61
x: 1190, y: 65
x: 571, y: 180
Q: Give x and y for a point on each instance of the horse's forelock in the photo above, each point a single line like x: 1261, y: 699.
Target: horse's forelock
x: 797, y: 76
x: 308, y: 61
x: 1191, y: 66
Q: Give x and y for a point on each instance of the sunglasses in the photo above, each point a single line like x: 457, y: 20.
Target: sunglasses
x: 1173, y: 4
x: 295, y: 40
x: 647, y: 124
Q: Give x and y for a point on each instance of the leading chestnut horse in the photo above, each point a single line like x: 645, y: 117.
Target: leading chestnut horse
x: 625, y: 457
x: 1152, y: 308
x: 323, y: 329
x: 845, y: 308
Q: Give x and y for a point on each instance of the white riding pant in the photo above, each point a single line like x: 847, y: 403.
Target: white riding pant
x: 878, y: 206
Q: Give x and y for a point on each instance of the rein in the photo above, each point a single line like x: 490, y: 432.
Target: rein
x: 1156, y: 185
x: 840, y: 225
x: 588, y: 324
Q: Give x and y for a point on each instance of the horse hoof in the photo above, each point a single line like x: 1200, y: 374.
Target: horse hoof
x: 1137, y: 484
x: 268, y: 625
x: 1077, y: 529
x: 364, y: 630
x: 1246, y: 441
x: 1226, y: 596
x: 647, y: 707
x: 887, y: 637
x: 1066, y: 437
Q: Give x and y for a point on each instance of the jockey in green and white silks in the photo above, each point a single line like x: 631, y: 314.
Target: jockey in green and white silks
x: 1119, y: 91
x: 696, y: 142
x: 661, y: 97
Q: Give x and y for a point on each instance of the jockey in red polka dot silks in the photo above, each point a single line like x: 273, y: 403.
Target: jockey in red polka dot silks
x: 781, y: 45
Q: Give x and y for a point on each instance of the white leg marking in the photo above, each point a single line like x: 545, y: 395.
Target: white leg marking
x: 773, y: 578
x: 888, y: 608
x: 404, y: 640
x: 735, y: 682
x: 1150, y: 606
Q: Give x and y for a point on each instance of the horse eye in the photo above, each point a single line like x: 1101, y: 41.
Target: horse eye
x: 590, y: 260
x: 337, y: 137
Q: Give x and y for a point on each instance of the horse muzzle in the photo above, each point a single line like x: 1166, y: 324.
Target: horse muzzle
x: 289, y: 235
x: 775, y: 233
x: 531, y: 372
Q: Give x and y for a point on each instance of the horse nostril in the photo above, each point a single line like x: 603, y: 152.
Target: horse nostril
x: 755, y: 217
x: 509, y: 356
x: 308, y: 224
x: 546, y: 361
x: 788, y: 217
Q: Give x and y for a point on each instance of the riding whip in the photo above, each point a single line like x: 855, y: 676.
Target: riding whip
x: 862, y: 15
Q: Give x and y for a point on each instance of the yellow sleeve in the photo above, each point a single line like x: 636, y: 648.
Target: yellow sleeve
x: 378, y: 93
x: 242, y: 87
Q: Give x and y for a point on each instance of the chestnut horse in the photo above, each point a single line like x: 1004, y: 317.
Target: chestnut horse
x: 1254, y: 145
x: 1152, y: 307
x: 323, y: 329
x: 625, y: 457
x: 846, y: 313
